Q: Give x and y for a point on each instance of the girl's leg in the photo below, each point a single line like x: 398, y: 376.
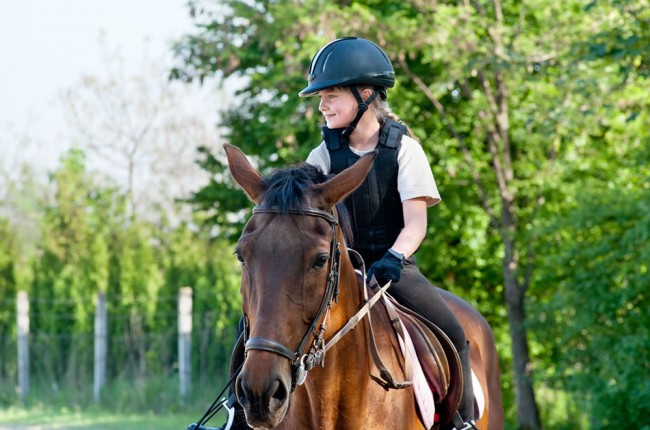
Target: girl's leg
x: 416, y: 292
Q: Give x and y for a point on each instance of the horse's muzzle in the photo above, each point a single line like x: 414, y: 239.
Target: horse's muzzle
x: 264, y: 396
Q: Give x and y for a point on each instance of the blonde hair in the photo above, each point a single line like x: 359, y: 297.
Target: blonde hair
x: 381, y: 109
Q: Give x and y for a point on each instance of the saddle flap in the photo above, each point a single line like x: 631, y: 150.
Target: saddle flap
x: 447, y: 362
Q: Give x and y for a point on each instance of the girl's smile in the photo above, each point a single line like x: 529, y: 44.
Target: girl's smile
x: 338, y: 107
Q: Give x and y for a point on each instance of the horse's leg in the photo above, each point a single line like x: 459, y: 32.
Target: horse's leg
x: 484, y: 358
x: 492, y: 384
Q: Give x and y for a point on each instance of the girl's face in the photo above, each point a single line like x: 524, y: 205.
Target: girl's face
x: 338, y: 106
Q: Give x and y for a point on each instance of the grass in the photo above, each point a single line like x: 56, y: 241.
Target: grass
x: 41, y: 418
x: 125, y: 405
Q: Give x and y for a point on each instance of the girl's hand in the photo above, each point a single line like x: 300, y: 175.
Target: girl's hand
x: 388, y: 268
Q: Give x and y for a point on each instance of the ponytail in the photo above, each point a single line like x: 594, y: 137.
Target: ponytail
x: 395, y: 118
x: 380, y: 108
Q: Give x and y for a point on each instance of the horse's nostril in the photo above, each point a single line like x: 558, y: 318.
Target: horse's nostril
x: 242, y: 392
x: 280, y: 392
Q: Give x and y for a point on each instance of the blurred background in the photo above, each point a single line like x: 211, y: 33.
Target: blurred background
x: 118, y: 217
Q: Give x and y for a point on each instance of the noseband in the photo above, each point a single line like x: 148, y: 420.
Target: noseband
x: 302, y: 362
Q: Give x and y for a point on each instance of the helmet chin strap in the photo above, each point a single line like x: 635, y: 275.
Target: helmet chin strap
x: 363, y: 107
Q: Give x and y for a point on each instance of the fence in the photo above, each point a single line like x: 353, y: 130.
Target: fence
x: 168, y: 351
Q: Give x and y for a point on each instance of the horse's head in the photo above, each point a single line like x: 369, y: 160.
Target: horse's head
x: 289, y: 252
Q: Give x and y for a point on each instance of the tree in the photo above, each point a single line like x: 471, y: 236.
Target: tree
x: 143, y: 130
x: 8, y: 290
x: 593, y: 315
x: 71, y: 265
x: 92, y: 244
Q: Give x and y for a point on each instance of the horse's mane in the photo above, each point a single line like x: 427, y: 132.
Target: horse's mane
x: 286, y: 190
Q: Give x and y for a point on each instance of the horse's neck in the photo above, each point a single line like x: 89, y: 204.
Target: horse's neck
x: 343, y: 394
x: 347, y: 362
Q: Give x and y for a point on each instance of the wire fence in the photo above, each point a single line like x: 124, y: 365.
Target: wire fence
x: 39, y: 357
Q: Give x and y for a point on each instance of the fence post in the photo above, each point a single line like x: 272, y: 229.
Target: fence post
x: 22, y: 311
x: 184, y: 339
x: 101, y: 340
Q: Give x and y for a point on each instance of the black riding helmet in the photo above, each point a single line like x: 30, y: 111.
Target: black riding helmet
x: 350, y: 62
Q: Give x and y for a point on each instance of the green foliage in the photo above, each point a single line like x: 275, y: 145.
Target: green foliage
x: 90, y: 244
x: 593, y: 318
x: 8, y: 257
x: 600, y: 320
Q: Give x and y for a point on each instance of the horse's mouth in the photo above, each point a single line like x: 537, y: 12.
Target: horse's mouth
x: 260, y: 417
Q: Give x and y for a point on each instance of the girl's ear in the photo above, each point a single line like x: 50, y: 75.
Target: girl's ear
x: 366, y: 93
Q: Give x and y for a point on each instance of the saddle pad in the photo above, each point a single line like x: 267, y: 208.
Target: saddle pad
x: 447, y: 357
x: 423, y: 394
x: 479, y: 396
x: 430, y: 354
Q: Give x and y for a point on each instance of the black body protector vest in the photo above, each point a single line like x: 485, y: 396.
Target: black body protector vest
x: 375, y: 207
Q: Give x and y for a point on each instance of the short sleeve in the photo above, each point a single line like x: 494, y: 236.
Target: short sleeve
x: 415, y: 178
x: 320, y: 157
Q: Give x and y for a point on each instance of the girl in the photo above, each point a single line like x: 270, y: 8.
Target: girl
x: 389, y: 210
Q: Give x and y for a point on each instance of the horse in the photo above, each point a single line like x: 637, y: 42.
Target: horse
x: 306, y: 366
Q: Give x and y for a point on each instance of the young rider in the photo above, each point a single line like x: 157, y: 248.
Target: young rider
x: 389, y: 210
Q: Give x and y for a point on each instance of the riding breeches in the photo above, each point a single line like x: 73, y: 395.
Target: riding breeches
x: 416, y: 293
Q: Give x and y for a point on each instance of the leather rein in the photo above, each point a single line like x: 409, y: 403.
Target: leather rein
x: 301, y: 360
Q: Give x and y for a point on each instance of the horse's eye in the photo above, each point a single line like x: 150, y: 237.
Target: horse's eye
x: 239, y: 257
x: 321, y: 261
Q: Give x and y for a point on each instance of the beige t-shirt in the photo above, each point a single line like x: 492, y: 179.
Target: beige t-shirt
x: 414, y: 177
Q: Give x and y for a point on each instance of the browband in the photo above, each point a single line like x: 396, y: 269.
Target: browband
x: 328, y: 216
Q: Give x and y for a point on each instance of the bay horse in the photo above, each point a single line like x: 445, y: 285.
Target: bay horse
x: 300, y: 291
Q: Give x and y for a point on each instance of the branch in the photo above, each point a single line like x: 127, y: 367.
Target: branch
x: 499, y: 102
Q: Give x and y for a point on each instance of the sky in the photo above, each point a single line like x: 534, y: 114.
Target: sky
x: 48, y: 46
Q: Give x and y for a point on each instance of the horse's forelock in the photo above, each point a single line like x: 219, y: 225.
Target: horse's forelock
x: 287, y: 191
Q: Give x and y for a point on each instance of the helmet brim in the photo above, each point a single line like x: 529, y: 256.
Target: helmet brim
x: 380, y: 80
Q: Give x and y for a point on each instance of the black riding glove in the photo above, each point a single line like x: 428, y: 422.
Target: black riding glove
x: 388, y: 268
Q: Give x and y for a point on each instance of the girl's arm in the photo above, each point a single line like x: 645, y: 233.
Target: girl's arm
x: 415, y: 226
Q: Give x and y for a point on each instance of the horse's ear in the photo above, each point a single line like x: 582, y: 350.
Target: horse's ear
x: 244, y: 173
x: 341, y: 185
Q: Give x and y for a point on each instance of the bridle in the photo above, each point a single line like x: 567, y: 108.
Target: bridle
x: 301, y: 361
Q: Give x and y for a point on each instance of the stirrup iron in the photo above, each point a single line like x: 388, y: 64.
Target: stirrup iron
x: 230, y: 408
x: 468, y: 425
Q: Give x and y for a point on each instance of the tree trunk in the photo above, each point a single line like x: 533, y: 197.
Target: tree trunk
x: 527, y: 411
